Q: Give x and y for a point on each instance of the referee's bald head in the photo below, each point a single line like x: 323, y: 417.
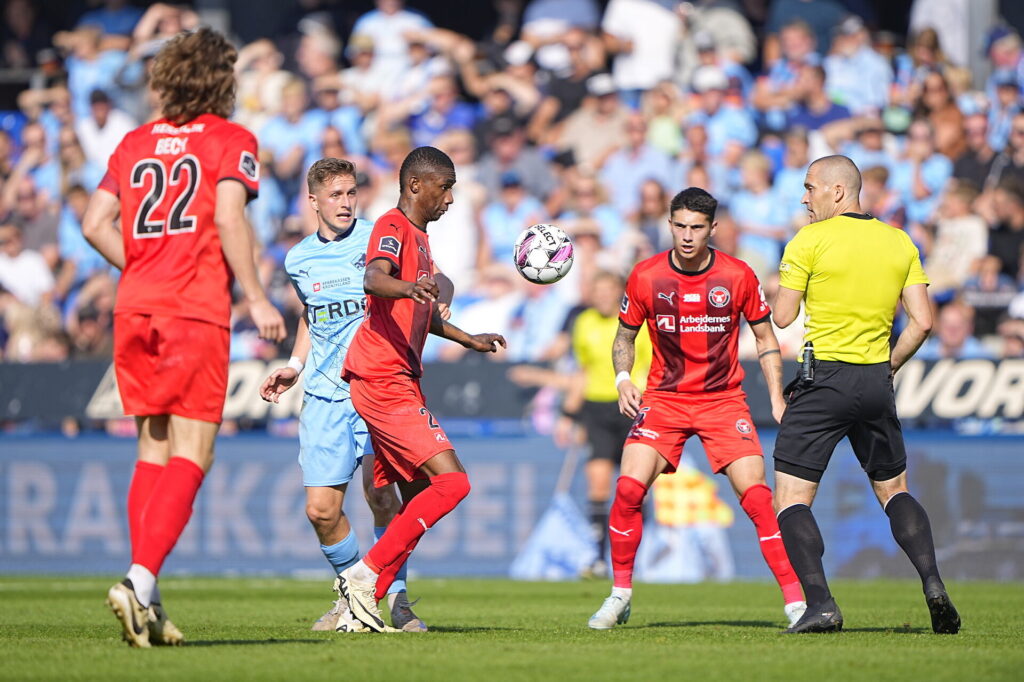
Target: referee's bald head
x: 838, y: 170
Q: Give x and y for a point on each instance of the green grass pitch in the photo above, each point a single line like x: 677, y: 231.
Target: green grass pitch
x: 252, y: 629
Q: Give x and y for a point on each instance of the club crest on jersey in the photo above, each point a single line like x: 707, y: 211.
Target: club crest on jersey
x: 624, y: 306
x: 390, y: 245
x: 670, y: 297
x: 249, y: 166
x: 666, y: 323
x: 743, y: 426
x: 360, y: 262
x: 719, y: 297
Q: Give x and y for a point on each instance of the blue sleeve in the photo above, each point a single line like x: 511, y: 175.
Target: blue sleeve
x: 936, y: 172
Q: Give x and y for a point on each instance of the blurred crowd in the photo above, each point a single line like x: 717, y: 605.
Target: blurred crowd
x: 584, y: 114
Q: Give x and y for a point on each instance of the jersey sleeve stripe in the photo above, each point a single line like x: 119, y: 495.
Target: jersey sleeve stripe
x: 393, y: 261
x: 252, y: 193
x: 627, y: 325
x: 759, y: 320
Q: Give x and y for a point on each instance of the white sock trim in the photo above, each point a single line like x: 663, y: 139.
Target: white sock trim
x: 144, y: 583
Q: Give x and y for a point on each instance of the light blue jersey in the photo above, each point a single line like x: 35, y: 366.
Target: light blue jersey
x: 328, y: 276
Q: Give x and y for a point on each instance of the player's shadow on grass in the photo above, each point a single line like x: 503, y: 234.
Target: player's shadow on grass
x: 903, y: 630
x: 246, y: 642
x: 702, y: 623
x: 461, y: 629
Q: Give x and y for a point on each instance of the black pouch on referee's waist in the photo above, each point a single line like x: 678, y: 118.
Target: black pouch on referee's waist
x: 806, y: 376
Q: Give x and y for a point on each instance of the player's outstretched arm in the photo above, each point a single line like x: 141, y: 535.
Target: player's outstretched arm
x: 236, y: 242
x: 770, y: 357
x: 919, y: 310
x: 283, y: 378
x: 481, y: 343
x: 623, y: 357
x: 98, y: 226
x: 378, y: 281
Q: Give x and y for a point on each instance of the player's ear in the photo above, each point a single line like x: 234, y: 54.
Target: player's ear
x: 312, y: 202
x: 414, y: 184
x: 711, y: 232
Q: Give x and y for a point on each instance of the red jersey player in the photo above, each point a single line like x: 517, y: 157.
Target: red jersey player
x: 383, y: 367
x: 180, y: 185
x: 691, y: 298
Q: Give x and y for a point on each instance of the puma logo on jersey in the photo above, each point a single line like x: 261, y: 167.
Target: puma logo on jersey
x: 670, y: 296
x: 304, y: 272
x: 620, y: 532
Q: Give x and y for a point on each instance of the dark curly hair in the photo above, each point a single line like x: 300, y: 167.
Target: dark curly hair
x: 421, y: 161
x: 194, y: 74
x: 695, y: 199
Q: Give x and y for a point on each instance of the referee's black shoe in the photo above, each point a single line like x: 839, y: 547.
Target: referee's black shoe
x: 825, y: 617
x: 945, y: 619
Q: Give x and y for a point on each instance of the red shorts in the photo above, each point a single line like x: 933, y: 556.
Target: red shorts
x: 171, y: 365
x: 404, y: 434
x: 722, y: 422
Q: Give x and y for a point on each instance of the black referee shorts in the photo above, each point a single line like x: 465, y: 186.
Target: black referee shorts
x: 606, y: 429
x: 844, y: 400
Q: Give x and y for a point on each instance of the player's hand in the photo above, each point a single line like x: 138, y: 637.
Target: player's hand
x: 629, y: 398
x: 277, y: 383
x: 444, y: 311
x: 778, y: 409
x: 423, y: 290
x: 565, y: 433
x: 486, y: 343
x: 268, y: 320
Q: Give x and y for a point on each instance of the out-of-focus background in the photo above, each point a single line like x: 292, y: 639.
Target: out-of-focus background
x: 588, y: 114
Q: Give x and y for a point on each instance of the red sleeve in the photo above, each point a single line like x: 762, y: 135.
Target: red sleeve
x: 755, y: 306
x: 633, y: 309
x: 386, y: 242
x: 240, y: 161
x: 112, y: 179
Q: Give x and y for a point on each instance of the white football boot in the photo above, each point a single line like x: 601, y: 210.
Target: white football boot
x: 794, y: 611
x: 614, y: 611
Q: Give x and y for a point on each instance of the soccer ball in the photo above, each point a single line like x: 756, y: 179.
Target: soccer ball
x: 543, y: 254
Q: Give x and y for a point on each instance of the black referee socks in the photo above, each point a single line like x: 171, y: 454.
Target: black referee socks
x: 913, y: 533
x: 802, y: 538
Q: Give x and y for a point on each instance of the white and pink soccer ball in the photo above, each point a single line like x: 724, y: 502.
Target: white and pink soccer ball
x: 543, y: 254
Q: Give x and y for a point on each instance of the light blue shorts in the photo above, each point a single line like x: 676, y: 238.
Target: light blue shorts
x: 332, y: 441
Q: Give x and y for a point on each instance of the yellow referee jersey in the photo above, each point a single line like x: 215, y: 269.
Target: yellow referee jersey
x: 852, y: 269
x: 592, y: 338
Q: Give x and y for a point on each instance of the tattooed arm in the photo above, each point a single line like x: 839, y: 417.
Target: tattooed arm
x: 623, y: 355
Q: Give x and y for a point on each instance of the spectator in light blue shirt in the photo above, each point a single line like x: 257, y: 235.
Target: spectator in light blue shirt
x: 88, y: 67
x: 330, y: 113
x: 867, y: 149
x: 626, y: 169
x: 1004, y: 106
x: 387, y: 26
x: 858, y: 77
x: 510, y: 214
x: 775, y: 92
x: 722, y: 121
x: 291, y: 134
x: 80, y: 259
x: 761, y: 217
x: 922, y: 174
x: 953, y: 336
x: 788, y: 185
x: 586, y: 201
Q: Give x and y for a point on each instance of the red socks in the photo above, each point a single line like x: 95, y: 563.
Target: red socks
x: 392, y: 549
x: 625, y: 527
x: 757, y: 502
x: 166, y: 513
x: 143, y: 480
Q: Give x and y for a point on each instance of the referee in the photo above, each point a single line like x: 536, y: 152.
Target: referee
x: 593, y: 402
x: 851, y: 270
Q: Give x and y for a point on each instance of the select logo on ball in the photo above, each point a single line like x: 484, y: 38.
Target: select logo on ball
x: 543, y: 254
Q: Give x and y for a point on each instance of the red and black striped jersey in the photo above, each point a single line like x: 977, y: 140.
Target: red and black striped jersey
x: 693, y: 318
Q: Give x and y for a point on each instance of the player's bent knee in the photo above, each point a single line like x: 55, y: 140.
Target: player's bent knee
x: 454, y: 486
x: 320, y: 513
